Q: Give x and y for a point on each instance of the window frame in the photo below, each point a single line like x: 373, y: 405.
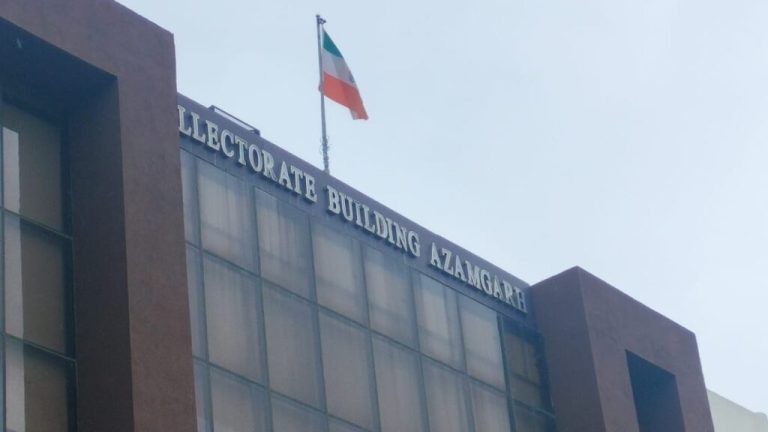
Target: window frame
x: 63, y: 234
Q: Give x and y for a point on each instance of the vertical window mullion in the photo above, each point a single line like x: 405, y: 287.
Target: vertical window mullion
x: 507, y: 376
x: 467, y: 388
x: 3, y: 413
x: 316, y: 323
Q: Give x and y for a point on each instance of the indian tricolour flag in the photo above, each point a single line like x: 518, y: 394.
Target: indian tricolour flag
x: 338, y: 83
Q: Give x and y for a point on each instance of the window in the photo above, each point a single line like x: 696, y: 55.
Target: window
x: 522, y: 366
x: 284, y: 244
x: 227, y: 216
x: 490, y: 409
x: 32, y: 168
x: 196, y: 295
x: 38, y: 388
x: 330, y: 334
x: 482, y: 342
x: 36, y: 291
x: 339, y: 273
x: 189, y: 192
x: 348, y: 373
x: 389, y: 296
x: 202, y: 393
x: 399, y: 388
x: 527, y: 420
x: 337, y: 426
x: 237, y: 405
x: 655, y: 396
x: 234, y: 328
x: 292, y: 345
x: 438, y: 320
x: 446, y: 399
x: 37, y: 288
x: 290, y: 417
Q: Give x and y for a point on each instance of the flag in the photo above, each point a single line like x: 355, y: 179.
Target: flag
x: 338, y: 83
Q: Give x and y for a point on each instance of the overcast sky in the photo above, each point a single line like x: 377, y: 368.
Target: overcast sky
x: 626, y: 137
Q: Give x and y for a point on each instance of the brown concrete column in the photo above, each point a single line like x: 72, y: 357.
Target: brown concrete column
x: 132, y: 320
x: 592, y: 333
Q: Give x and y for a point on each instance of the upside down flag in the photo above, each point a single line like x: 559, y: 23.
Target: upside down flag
x: 338, y: 83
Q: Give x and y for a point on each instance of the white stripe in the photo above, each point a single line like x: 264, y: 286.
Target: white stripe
x: 337, y: 67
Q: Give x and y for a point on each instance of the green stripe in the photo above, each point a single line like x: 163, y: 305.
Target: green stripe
x: 329, y: 46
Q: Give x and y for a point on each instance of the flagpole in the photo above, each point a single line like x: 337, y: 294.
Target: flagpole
x: 326, y: 164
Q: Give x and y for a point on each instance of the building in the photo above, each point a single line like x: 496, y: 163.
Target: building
x: 167, y: 269
x: 730, y: 416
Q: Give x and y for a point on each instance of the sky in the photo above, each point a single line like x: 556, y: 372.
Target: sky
x: 626, y: 137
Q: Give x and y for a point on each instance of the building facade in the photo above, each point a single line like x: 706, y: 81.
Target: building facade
x: 312, y: 304
x: 729, y: 416
x: 166, y: 268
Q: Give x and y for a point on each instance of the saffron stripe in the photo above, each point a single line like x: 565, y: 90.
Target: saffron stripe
x: 344, y: 94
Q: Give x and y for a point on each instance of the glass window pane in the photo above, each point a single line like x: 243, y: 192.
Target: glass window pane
x: 337, y: 426
x: 234, y: 328
x: 529, y: 421
x: 514, y: 352
x: 37, y: 390
x: 490, y: 410
x: 284, y: 244
x: 14, y: 294
x: 482, y: 342
x: 11, y: 175
x: 35, y: 285
x: 389, y: 297
x: 195, y: 286
x: 202, y: 396
x: 15, y: 390
x: 189, y: 193
x: 525, y: 391
x: 446, y: 399
x: 532, y: 364
x: 522, y: 366
x: 521, y: 354
x: 438, y: 319
x: 33, y: 169
x: 237, y: 405
x: 292, y: 346
x: 3, y: 381
x: 348, y: 372
x: 289, y: 417
x: 338, y: 272
x: 226, y: 216
x: 399, y: 388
